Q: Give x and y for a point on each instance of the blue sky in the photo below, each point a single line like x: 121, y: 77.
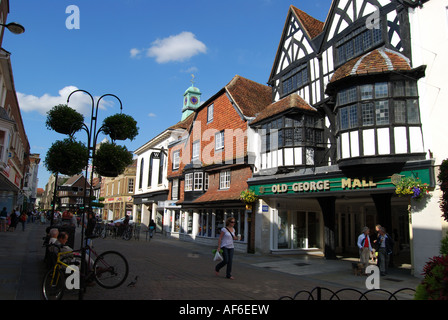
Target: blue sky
x: 142, y: 51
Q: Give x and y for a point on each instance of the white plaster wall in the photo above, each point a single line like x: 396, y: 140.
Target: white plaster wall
x: 429, y: 40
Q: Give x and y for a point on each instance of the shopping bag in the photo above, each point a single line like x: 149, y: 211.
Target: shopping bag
x: 217, y: 256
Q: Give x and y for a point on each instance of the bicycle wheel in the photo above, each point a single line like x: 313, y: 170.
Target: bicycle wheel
x: 103, y: 232
x: 53, y: 284
x: 127, y: 234
x: 110, y: 269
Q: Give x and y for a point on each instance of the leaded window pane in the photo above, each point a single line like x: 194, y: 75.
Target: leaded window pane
x: 382, y: 112
x: 400, y: 111
x: 411, y: 88
x: 343, y: 120
x: 413, y: 114
x: 381, y: 90
x: 398, y: 89
x: 367, y: 114
x: 353, y: 116
x: 366, y: 92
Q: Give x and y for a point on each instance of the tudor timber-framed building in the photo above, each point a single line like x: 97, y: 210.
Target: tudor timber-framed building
x: 346, y: 122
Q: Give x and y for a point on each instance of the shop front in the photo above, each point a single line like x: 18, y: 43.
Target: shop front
x: 203, y: 224
x: 322, y: 210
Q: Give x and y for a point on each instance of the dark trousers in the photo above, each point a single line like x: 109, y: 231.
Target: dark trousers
x: 227, y: 255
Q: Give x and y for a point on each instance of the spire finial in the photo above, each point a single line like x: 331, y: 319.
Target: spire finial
x: 192, y: 79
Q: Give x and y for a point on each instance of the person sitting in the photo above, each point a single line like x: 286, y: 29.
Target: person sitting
x: 53, y: 235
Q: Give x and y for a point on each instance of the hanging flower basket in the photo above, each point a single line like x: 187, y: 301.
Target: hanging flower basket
x: 111, y: 160
x: 411, y: 187
x: 64, y: 120
x: 248, y: 197
x: 67, y: 157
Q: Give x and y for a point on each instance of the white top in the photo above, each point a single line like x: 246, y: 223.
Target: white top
x: 227, y: 239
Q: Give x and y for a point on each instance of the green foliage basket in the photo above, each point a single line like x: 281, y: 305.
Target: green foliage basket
x: 67, y: 157
x: 64, y: 120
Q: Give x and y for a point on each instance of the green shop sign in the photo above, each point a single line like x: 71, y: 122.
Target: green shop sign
x: 339, y: 184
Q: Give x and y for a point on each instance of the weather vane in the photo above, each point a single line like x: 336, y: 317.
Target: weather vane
x: 192, y: 79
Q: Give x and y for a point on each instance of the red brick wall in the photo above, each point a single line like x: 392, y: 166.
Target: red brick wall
x: 226, y: 118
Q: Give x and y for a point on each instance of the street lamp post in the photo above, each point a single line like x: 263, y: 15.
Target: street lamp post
x: 92, y: 136
x: 14, y: 27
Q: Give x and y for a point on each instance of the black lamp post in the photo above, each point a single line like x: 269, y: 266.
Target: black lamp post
x: 92, y: 136
x: 14, y: 27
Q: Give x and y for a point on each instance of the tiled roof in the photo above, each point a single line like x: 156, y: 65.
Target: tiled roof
x: 250, y: 96
x: 312, y: 26
x: 376, y: 61
x: 228, y: 195
x: 293, y: 101
x: 185, y: 124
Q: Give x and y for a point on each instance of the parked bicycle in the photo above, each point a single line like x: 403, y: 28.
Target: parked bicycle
x: 110, y: 269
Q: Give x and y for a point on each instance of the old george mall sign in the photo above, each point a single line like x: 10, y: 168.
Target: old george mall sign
x: 338, y: 184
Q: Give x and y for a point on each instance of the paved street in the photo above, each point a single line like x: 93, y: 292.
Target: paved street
x: 168, y: 269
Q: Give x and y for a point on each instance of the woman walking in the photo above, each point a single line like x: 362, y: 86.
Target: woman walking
x: 225, y: 243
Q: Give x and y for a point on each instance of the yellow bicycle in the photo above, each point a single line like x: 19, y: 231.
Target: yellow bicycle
x: 110, y: 269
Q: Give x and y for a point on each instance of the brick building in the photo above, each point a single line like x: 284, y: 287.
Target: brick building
x: 14, y: 144
x: 208, y: 166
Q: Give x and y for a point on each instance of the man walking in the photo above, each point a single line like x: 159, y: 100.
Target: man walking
x: 365, y: 247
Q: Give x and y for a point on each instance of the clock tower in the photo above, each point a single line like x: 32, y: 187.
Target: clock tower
x: 192, y: 99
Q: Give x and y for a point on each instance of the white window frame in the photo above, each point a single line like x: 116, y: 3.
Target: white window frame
x: 206, y: 181
x: 210, y: 113
x: 198, y: 181
x: 175, y: 189
x: 224, y: 179
x: 219, y: 140
x: 131, y: 185
x: 196, y: 147
x: 189, y: 182
x: 176, y: 160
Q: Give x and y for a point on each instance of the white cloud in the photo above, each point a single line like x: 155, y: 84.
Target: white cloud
x: 179, y: 47
x: 152, y: 115
x: 135, y: 53
x: 79, y: 101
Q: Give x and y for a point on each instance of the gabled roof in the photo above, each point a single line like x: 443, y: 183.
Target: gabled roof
x: 312, y: 26
x: 288, y: 103
x: 73, y: 179
x: 250, y: 97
